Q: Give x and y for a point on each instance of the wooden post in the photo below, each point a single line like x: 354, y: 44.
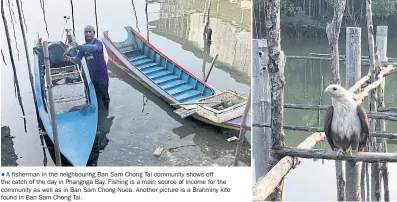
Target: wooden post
x: 381, y: 44
x: 353, y: 55
x: 71, y: 5
x: 96, y: 19
x: 212, y: 65
x: 353, y: 74
x: 27, y: 57
x: 243, y: 130
x: 147, y: 21
x: 51, y: 103
x: 333, y: 30
x: 375, y: 194
x: 261, y: 110
x: 276, y: 66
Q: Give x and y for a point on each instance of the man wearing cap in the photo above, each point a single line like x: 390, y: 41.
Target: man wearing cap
x: 92, y: 50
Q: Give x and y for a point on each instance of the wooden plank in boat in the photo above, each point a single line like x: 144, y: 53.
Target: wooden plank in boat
x: 63, y: 69
x: 183, y: 113
x: 72, y: 75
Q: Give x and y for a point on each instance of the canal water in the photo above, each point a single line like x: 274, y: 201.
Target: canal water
x: 137, y: 122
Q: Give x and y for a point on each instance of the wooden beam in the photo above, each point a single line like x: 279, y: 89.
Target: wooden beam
x: 332, y: 155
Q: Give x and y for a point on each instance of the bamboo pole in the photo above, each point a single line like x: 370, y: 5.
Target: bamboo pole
x: 71, y: 5
x: 147, y: 20
x: 96, y: 19
x: 370, y: 157
x: 243, y: 130
x: 51, y: 104
x: 320, y: 129
x: 16, y: 83
x: 212, y: 65
x: 261, y: 107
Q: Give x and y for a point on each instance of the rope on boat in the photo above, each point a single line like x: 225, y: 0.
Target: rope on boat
x: 16, y: 83
x: 24, y: 20
x: 71, y: 4
x: 3, y: 57
x: 136, y: 17
x: 96, y: 19
x: 12, y: 16
x: 45, y: 21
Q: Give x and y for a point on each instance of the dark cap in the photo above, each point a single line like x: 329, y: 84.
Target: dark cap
x: 89, y: 28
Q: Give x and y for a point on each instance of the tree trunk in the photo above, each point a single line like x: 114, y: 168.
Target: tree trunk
x: 333, y: 30
x: 276, y: 65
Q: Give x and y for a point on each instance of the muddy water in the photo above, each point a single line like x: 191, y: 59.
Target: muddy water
x: 138, y: 121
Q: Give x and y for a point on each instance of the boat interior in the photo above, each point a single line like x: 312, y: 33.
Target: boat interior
x: 165, y: 73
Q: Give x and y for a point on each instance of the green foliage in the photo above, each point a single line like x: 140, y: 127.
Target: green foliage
x: 384, y: 8
x: 310, y: 16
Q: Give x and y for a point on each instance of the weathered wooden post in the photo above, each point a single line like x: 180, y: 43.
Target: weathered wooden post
x: 51, y: 103
x: 276, y: 66
x: 353, y: 55
x: 333, y: 31
x: 243, y: 130
x: 353, y: 74
x: 381, y: 44
x: 261, y: 110
x: 375, y: 188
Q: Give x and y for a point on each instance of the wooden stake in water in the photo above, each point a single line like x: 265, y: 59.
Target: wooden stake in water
x: 51, y: 103
x: 27, y: 57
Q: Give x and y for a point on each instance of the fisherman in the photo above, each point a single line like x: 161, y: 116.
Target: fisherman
x: 92, y: 50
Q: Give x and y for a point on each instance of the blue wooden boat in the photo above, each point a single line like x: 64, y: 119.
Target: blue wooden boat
x: 77, y: 126
x: 140, y: 59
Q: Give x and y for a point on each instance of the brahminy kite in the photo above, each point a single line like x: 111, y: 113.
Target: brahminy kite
x: 346, y: 123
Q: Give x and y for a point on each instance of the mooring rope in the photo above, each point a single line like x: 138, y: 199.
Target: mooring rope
x: 12, y: 16
x: 136, y: 17
x: 45, y: 21
x: 24, y: 20
x: 16, y: 83
x: 3, y: 57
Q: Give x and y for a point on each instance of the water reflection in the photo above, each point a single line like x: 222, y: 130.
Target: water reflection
x: 183, y: 22
x: 138, y: 121
x: 8, y: 156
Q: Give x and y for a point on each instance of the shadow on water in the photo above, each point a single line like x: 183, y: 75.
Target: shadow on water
x: 8, y: 156
x: 210, y: 139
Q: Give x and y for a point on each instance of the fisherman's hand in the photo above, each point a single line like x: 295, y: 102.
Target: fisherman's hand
x: 67, y: 58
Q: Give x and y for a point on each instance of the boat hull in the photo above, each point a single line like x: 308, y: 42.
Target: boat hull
x: 76, y: 129
x: 121, y: 60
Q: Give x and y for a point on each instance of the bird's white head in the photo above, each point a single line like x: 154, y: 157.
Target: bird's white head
x: 336, y: 91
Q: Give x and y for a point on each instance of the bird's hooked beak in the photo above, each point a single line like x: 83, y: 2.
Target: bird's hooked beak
x: 326, y: 90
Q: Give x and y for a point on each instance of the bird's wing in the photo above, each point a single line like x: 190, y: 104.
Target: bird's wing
x: 364, y: 136
x: 327, y: 126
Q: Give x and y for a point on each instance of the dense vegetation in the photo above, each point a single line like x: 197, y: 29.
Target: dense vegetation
x: 307, y: 18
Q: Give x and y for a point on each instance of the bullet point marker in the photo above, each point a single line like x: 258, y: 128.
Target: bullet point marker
x: 2, y: 174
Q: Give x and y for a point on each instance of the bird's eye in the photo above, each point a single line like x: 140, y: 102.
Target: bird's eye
x: 334, y: 88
